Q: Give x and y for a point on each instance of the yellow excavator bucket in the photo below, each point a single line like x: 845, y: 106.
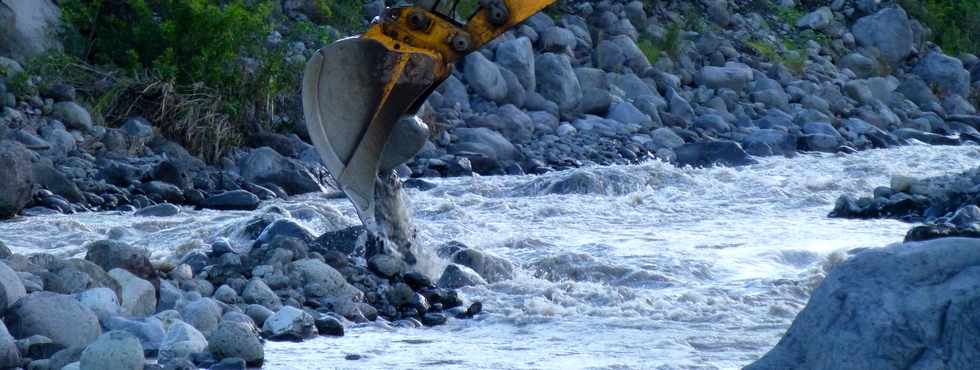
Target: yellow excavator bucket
x: 360, y: 93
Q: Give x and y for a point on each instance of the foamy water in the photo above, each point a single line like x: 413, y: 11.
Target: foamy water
x: 661, y: 268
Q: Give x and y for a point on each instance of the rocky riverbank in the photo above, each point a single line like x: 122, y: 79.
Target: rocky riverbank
x: 692, y: 83
x: 946, y: 205
x: 114, y: 309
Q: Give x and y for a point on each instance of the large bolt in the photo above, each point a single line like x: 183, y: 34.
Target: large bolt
x: 497, y: 12
x: 418, y: 20
x: 461, y: 42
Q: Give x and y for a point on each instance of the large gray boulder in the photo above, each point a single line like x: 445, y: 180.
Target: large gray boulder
x: 707, y: 154
x: 862, y: 66
x: 111, y: 254
x: 18, y: 179
x: 944, y: 72
x: 557, y: 80
x: 257, y: 292
x: 116, y: 350
x: 289, y: 323
x: 817, y: 19
x: 204, y: 314
x: 517, y: 55
x: 511, y: 122
x: 732, y: 76
x: 484, y: 77
x: 74, y: 116
x: 319, y: 280
x: 484, y: 141
x: 27, y: 28
x: 56, y: 316
x: 236, y: 339
x: 906, y: 306
x: 888, y: 30
x: 266, y: 166
x: 138, y: 297
x: 11, y: 288
x: 9, y: 355
x: 181, y: 341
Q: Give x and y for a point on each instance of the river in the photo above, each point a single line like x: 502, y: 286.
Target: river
x: 657, y: 268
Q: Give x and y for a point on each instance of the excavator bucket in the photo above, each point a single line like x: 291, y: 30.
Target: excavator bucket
x: 354, y: 92
x: 359, y: 93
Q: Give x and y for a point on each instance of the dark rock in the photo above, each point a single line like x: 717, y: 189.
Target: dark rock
x: 284, y: 228
x: 235, y: 200
x: 419, y: 184
x: 456, y: 276
x: 9, y: 354
x: 706, y: 154
x: 343, y: 241
x: 110, y: 254
x: 433, y: 319
x: 159, y: 210
x: 265, y: 165
x: 327, y: 325
x: 17, y: 181
x: 113, y: 350
x: 162, y: 191
x: 231, y: 363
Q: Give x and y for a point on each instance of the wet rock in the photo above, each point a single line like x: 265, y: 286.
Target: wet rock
x: 257, y: 292
x: 111, y: 254
x: 387, y: 266
x: 11, y: 287
x: 73, y: 116
x: 235, y: 339
x: 258, y: 313
x: 231, y: 363
x: 343, y: 241
x: 235, y: 200
x: 862, y: 314
x: 485, y: 143
x: 706, y: 154
x: 57, y: 182
x: 965, y: 216
x: 18, y: 179
x: 55, y: 316
x: 159, y: 210
x: 284, y: 228
x: 181, y: 341
x: 204, y: 314
x: 289, y: 323
x: 888, y: 30
x: 162, y: 191
x: 113, y: 350
x: 9, y: 354
x: 319, y: 279
x: 925, y: 137
x: 265, y: 165
x: 457, y: 276
x: 328, y: 325
x: 490, y: 267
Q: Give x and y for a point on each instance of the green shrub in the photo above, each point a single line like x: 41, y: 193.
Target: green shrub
x: 649, y: 48
x: 210, y: 55
x: 346, y: 15
x: 955, y: 24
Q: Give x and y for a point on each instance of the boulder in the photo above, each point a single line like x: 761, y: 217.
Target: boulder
x: 9, y: 355
x: 266, y: 166
x: 204, y: 314
x: 235, y: 200
x: 26, y: 28
x: 111, y: 254
x: 906, y: 306
x: 138, y: 297
x: 18, y: 180
x: 11, y: 287
x: 236, y: 339
x: 116, y: 350
x: 517, y: 55
x: 158, y: 210
x: 456, y: 276
x: 706, y: 154
x: 512, y: 123
x: 56, y: 316
x: 484, y: 77
x: 181, y: 341
x: 74, y: 116
x: 289, y: 323
x: 319, y: 279
x: 626, y: 112
x: 557, y: 80
x: 732, y: 76
x: 664, y: 137
x: 485, y: 142
x: 889, y: 30
x: 817, y: 20
x: 944, y: 72
x: 862, y: 66
x: 149, y: 330
x: 102, y: 301
x: 257, y: 292
x: 766, y: 142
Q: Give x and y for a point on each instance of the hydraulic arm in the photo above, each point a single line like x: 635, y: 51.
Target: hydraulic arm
x: 360, y: 93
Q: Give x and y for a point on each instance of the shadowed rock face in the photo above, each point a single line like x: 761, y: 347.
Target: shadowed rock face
x: 907, y: 306
x: 24, y: 27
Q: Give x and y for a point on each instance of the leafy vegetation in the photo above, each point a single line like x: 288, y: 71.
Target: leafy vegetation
x: 671, y: 43
x: 202, y: 70
x: 955, y: 24
x: 792, y: 58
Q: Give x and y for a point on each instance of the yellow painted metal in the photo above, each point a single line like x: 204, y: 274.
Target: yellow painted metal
x: 483, y: 31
